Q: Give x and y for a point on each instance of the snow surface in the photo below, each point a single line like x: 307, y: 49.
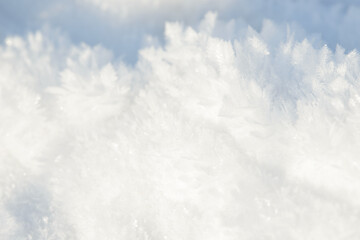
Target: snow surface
x: 179, y: 120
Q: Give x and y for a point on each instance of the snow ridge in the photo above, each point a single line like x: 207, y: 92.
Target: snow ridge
x: 223, y: 132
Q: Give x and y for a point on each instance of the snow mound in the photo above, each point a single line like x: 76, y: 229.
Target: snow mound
x: 225, y: 132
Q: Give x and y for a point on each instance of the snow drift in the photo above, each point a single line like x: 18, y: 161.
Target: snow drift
x: 222, y: 132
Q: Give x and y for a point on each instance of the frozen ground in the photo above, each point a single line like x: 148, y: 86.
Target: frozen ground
x: 184, y: 120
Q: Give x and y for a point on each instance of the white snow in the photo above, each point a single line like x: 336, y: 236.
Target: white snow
x: 179, y: 120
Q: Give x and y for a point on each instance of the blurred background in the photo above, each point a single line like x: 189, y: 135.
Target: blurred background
x: 124, y: 26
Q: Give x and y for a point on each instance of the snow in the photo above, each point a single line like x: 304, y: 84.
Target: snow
x: 179, y: 120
